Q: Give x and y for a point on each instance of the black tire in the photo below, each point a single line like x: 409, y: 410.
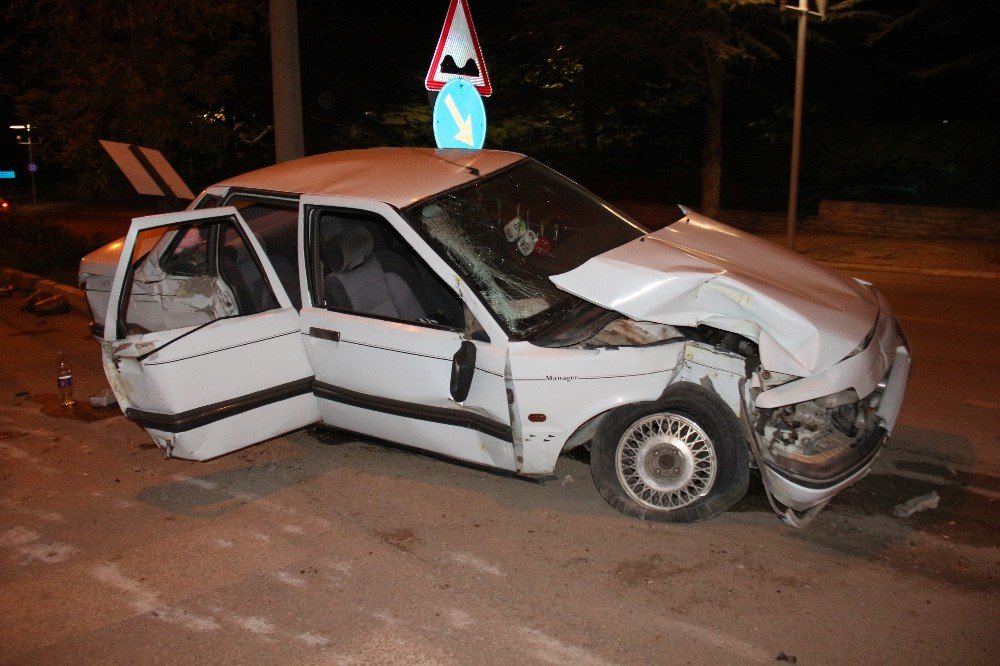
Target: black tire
x: 690, y: 439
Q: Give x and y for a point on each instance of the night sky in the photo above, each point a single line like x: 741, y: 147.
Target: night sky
x: 909, y: 117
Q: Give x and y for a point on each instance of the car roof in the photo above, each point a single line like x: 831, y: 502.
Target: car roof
x: 397, y: 176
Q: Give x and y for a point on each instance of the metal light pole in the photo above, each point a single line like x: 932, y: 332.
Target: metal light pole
x: 31, y: 156
x: 286, y: 84
x: 800, y: 82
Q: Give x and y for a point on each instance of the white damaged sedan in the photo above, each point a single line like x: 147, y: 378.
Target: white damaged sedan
x: 479, y: 305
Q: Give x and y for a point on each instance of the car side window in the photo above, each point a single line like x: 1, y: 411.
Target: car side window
x: 187, y: 254
x: 361, y: 265
x: 207, y: 271
x: 275, y: 225
x: 274, y: 222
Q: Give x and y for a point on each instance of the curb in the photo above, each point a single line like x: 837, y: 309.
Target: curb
x: 941, y: 272
x: 32, y: 283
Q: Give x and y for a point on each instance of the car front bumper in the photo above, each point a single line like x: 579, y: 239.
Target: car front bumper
x: 801, y: 491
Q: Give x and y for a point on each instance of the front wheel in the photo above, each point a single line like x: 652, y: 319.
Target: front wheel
x: 680, y: 459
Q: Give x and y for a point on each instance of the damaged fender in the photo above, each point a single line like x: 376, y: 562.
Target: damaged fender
x: 804, y: 316
x: 833, y: 361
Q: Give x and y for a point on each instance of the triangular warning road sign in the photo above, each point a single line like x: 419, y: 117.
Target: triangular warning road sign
x: 457, y: 54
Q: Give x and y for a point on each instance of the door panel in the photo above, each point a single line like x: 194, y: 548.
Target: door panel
x: 418, y: 359
x: 234, y: 380
x: 384, y: 375
x: 392, y: 380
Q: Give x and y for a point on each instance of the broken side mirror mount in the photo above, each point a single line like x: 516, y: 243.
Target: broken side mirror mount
x: 463, y: 367
x: 473, y: 329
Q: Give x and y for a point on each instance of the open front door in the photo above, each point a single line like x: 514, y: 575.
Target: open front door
x: 201, y: 344
x: 397, y: 352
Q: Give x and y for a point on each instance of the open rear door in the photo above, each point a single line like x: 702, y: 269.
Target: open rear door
x: 202, y: 346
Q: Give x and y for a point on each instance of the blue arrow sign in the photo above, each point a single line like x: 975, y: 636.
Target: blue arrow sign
x: 7, y: 174
x: 459, y: 116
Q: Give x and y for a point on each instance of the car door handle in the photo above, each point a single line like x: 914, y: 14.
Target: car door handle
x: 324, y: 334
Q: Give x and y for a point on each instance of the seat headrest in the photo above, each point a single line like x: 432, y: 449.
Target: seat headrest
x: 348, y: 249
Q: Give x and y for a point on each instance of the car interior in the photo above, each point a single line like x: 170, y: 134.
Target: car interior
x: 368, y: 269
x: 362, y: 265
x: 275, y: 228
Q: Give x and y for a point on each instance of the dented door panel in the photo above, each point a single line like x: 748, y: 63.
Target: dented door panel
x: 238, y: 377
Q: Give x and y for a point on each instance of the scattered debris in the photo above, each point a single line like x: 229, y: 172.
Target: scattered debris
x: 45, y: 304
x: 402, y: 538
x: 916, y: 504
x: 105, y: 398
x: 6, y: 290
x: 791, y: 659
x: 568, y: 479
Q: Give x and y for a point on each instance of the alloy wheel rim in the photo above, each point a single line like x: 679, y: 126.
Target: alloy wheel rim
x: 665, y: 461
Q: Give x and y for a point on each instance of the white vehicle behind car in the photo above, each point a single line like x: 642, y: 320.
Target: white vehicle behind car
x: 479, y: 305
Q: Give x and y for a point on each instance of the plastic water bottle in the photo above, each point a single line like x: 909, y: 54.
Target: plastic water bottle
x: 64, y: 381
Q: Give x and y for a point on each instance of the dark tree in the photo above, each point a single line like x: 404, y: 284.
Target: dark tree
x: 599, y: 57
x: 720, y: 37
x: 161, y: 74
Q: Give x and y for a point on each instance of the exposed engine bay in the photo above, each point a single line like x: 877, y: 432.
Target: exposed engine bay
x: 817, y: 441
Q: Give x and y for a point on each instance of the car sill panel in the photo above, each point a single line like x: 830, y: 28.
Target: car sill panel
x: 202, y: 416
x: 453, y: 417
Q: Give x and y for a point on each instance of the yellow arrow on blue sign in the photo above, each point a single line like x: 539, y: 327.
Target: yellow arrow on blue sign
x: 459, y: 116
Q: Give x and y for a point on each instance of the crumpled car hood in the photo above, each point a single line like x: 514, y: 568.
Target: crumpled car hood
x: 805, y: 317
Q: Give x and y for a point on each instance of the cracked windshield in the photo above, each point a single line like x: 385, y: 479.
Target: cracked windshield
x: 509, y: 232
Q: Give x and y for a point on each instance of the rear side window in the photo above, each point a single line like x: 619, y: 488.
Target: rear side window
x: 206, y: 271
x: 187, y: 254
x: 273, y: 220
x: 275, y: 225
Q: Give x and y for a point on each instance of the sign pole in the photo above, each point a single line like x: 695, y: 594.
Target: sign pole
x: 800, y: 79
x: 286, y: 85
x: 800, y: 82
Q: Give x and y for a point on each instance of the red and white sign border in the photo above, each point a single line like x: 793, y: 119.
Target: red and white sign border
x: 431, y: 83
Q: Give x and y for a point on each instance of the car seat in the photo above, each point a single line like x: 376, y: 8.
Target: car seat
x: 241, y: 272
x: 366, y: 281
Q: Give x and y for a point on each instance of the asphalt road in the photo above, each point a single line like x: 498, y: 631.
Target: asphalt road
x: 319, y: 547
